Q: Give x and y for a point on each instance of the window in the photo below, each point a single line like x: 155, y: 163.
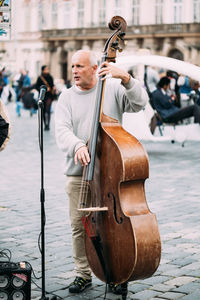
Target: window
x: 178, y: 11
x: 196, y: 11
x: 159, y: 12
x: 41, y: 20
x: 80, y: 13
x: 54, y: 14
x: 102, y: 12
x: 67, y: 14
x: 27, y: 17
x: 118, y: 8
x: 135, y: 11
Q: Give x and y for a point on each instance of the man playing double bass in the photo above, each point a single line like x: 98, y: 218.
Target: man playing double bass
x: 73, y: 118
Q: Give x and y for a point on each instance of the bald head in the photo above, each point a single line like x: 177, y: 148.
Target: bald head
x: 84, y: 68
x: 87, y: 54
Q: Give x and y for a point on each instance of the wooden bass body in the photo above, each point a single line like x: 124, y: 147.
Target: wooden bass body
x: 128, y: 231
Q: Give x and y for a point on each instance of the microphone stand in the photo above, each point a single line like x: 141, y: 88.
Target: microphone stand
x: 42, y: 191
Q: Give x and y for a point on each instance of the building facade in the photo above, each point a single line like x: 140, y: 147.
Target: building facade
x: 50, y: 31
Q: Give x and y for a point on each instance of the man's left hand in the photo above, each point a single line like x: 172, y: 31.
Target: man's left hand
x: 107, y: 71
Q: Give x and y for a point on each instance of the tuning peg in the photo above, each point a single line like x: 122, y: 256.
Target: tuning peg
x: 122, y: 34
x: 115, y: 44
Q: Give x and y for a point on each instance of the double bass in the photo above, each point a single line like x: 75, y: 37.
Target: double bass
x: 122, y: 241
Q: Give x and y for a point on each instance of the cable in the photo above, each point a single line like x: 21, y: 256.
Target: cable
x: 105, y: 291
x: 3, y: 254
x: 33, y: 272
x: 39, y: 238
x: 45, y: 291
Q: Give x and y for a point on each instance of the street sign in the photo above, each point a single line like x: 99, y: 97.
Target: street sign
x: 5, y: 19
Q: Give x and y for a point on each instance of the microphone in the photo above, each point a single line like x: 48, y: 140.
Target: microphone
x: 43, y: 90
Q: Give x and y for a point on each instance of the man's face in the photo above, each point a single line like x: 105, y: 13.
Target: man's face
x: 166, y: 87
x: 46, y: 70
x: 83, y: 72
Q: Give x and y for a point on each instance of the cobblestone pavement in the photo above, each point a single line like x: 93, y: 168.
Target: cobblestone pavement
x: 172, y: 193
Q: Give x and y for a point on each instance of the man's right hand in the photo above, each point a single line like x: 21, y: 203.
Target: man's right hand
x: 82, y: 155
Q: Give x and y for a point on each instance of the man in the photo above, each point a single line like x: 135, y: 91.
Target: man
x: 164, y: 105
x: 73, y: 118
x: 46, y: 79
x: 151, y: 78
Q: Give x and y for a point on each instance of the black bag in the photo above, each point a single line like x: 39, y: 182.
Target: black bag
x: 3, y: 130
x: 4, y: 127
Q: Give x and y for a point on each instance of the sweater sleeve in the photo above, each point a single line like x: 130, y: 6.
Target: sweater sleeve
x: 134, y: 97
x: 66, y: 140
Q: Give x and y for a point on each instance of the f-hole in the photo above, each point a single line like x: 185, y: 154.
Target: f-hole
x: 119, y: 220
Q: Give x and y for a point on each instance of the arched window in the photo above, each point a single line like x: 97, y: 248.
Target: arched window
x: 177, y: 54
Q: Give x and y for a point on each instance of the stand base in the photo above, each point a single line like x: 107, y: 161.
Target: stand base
x: 47, y: 298
x: 124, y: 287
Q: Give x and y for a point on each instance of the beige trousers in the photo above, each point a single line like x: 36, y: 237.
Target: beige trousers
x: 82, y: 268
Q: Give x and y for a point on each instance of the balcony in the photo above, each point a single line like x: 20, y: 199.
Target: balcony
x: 164, y: 30
x: 143, y: 31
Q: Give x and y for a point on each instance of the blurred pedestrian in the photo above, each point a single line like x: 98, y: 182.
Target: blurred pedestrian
x: 16, y: 83
x: 151, y: 78
x: 24, y: 86
x: 2, y: 83
x: 184, y: 84
x: 6, y: 75
x: 4, y: 126
x: 26, y: 80
x: 46, y: 79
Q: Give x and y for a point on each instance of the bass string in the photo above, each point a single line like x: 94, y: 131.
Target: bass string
x: 84, y: 201
x: 84, y: 191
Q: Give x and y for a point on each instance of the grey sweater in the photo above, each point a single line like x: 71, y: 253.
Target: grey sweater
x: 74, y: 114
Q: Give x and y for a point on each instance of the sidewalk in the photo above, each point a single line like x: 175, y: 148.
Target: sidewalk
x: 172, y: 193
